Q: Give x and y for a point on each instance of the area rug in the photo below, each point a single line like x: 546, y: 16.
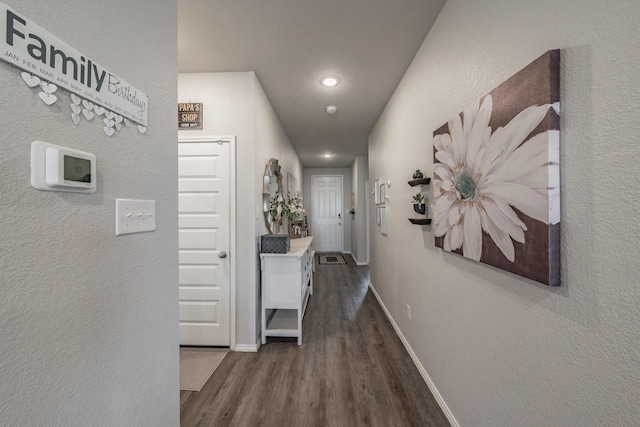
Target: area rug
x: 197, y: 365
x: 332, y: 259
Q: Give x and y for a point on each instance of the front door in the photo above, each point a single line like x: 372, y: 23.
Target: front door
x: 204, y: 210
x: 327, y: 213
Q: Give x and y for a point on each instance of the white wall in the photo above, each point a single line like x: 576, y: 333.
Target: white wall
x: 271, y: 141
x: 88, y: 320
x: 359, y: 176
x: 229, y: 109
x: 235, y: 104
x: 502, y: 350
x: 346, y: 200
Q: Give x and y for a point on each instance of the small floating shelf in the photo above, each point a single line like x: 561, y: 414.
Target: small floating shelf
x: 421, y: 221
x: 419, y: 181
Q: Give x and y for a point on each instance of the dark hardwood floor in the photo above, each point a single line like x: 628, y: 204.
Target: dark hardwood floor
x: 351, y: 369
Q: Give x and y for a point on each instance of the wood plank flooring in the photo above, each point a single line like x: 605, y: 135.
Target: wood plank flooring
x: 351, y: 369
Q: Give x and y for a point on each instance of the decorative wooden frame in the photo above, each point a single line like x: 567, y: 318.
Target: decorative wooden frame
x: 296, y: 228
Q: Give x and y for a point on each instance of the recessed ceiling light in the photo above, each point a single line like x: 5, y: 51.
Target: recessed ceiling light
x: 327, y: 155
x: 329, y: 81
x: 331, y: 109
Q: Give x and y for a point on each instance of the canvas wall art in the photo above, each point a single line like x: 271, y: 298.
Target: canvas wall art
x: 497, y: 176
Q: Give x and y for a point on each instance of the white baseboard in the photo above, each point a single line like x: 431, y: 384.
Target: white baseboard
x: 247, y: 348
x: 416, y: 361
x: 355, y: 260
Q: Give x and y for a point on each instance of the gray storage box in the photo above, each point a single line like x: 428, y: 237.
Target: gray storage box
x: 275, y: 243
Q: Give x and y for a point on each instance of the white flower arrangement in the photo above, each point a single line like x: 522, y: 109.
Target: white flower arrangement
x: 291, y: 208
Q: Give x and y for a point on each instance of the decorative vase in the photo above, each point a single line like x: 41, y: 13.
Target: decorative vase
x: 419, y: 208
x: 417, y: 174
x: 277, y: 226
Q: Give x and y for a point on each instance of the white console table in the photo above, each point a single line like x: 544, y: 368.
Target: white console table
x: 287, y: 283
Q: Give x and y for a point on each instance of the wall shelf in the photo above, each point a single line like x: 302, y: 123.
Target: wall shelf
x: 419, y: 181
x: 413, y: 183
x: 421, y: 221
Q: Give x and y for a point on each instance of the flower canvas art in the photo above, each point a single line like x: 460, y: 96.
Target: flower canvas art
x: 497, y: 176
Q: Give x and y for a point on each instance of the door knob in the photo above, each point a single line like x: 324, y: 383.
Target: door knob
x: 222, y: 254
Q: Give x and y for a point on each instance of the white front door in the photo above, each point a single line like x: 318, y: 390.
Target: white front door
x: 327, y: 213
x: 204, y: 213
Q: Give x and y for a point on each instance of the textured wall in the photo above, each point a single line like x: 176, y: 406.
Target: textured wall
x: 88, y: 320
x: 235, y: 104
x: 502, y: 350
x: 229, y: 110
x: 271, y: 141
x: 359, y: 176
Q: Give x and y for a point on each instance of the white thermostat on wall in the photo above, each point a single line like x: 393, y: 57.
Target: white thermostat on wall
x: 56, y: 168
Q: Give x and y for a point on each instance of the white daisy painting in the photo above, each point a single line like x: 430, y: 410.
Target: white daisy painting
x: 497, y: 176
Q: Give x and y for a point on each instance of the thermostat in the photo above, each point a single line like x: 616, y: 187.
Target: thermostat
x: 56, y: 168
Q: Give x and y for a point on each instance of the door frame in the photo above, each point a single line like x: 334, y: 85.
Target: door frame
x: 342, y: 219
x: 367, y: 220
x: 231, y: 140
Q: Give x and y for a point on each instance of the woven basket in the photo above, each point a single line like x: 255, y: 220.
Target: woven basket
x: 275, y: 243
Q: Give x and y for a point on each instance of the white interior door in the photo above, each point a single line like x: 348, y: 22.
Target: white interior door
x: 327, y: 213
x: 204, y: 236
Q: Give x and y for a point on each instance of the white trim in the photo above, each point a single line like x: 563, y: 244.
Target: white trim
x: 247, y: 348
x: 354, y: 259
x: 416, y: 361
x: 232, y: 225
x: 367, y: 196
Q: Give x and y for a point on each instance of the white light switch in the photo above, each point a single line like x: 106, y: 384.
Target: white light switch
x: 135, y: 216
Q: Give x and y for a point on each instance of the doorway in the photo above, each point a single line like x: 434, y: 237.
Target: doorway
x: 206, y: 228
x: 327, y: 212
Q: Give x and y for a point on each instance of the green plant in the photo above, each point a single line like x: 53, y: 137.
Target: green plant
x: 290, y: 208
x: 417, y: 198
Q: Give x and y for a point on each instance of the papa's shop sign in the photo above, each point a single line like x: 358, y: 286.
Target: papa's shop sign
x: 33, y: 49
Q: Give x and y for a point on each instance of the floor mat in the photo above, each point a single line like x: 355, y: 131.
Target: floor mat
x: 196, y: 366
x: 332, y: 259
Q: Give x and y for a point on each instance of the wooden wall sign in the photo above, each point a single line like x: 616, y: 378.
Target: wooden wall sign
x: 189, y: 115
x: 41, y: 54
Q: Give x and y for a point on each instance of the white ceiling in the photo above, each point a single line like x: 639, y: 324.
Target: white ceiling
x: 291, y: 44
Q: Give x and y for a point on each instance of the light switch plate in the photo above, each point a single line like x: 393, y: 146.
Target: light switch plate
x: 135, y: 216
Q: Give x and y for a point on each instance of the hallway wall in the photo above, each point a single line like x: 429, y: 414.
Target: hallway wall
x: 234, y: 103
x: 228, y: 109
x: 88, y: 320
x: 359, y: 176
x: 503, y: 350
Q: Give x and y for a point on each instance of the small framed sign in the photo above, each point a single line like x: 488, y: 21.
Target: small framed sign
x: 189, y: 115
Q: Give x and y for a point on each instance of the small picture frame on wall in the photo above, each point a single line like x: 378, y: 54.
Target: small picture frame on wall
x: 296, y: 229
x: 376, y: 193
x: 384, y: 220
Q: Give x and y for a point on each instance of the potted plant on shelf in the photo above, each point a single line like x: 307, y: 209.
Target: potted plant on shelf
x: 418, y: 203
